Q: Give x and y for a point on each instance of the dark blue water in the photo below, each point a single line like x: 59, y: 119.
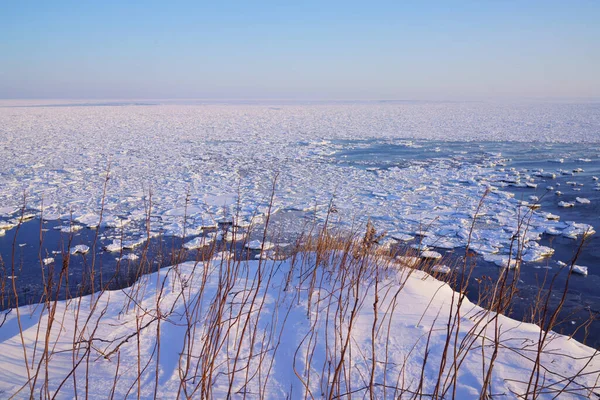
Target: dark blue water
x: 22, y: 252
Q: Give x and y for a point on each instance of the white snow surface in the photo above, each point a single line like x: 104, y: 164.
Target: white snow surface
x: 285, y: 341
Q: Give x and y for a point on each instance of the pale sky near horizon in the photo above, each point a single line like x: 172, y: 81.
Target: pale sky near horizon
x: 300, y: 50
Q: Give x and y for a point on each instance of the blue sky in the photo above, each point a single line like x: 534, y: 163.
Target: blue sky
x: 299, y: 50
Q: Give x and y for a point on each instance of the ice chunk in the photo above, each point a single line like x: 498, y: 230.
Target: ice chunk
x: 542, y: 174
x: 442, y: 269
x: 237, y: 237
x: 198, y: 243
x: 25, y: 217
x: 131, y: 244
x: 402, y: 237
x: 578, y: 269
x: 48, y: 260
x: 536, y: 253
x: 553, y: 231
x: 551, y: 217
x: 6, y: 225
x: 574, y: 230
x: 484, y: 248
x: 7, y: 211
x: 566, y: 204
x: 69, y: 229
x: 582, y: 200
x: 129, y: 257
x: 503, y: 261
x: 90, y: 220
x: 80, y: 249
x: 115, y: 222
x: 114, y: 246
x: 433, y: 255
x: 258, y: 245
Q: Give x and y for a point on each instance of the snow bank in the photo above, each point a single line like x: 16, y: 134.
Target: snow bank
x: 292, y: 344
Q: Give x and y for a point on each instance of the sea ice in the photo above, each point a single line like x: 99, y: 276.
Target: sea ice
x: 258, y: 245
x: 402, y: 237
x: 6, y: 225
x: 80, y: 249
x: 578, y: 269
x: 205, y: 173
x: 433, y: 255
x: 536, y: 253
x: 198, y: 243
x: 237, y: 237
x: 442, y: 269
x: 503, y: 261
x: 566, y: 204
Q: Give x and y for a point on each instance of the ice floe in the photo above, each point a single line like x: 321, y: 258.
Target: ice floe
x: 566, y: 204
x: 235, y: 237
x: 432, y: 255
x: 198, y: 242
x: 80, y: 249
x: 535, y: 252
x: 185, y: 183
x: 578, y: 269
x: 441, y: 269
x: 402, y: 237
x: 503, y: 261
x: 129, y: 257
x: 259, y: 245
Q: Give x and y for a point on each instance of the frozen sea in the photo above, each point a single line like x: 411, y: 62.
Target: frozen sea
x: 415, y: 169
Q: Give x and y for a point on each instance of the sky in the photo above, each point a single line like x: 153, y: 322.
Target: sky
x: 299, y: 49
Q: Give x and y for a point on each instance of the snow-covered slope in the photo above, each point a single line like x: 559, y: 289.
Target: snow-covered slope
x: 282, y: 329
